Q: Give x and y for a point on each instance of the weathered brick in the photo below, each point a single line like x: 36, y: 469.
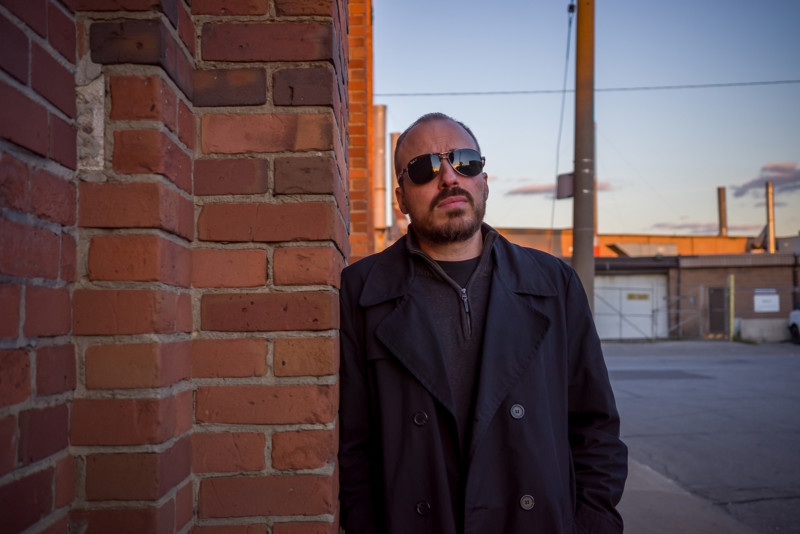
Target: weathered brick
x: 126, y: 520
x: 47, y: 311
x: 234, y: 358
x: 115, y: 312
x: 144, y: 98
x: 229, y: 7
x: 186, y: 28
x: 306, y: 449
x: 307, y: 266
x: 141, y: 365
x: 303, y: 87
x: 266, y: 405
x: 187, y: 126
x: 15, y: 376
x: 139, y: 258
x: 55, y: 369
x: 22, y: 120
x: 8, y: 444
x: 15, y: 51
x: 152, y: 152
x: 52, y: 80
x: 10, y: 298
x: 244, y: 496
x: 26, y: 500
x: 59, y: 526
x: 135, y: 205
x: 32, y: 12
x: 267, y: 312
x: 314, y: 175
x: 28, y: 252
x: 14, y: 182
x: 242, y: 134
x: 184, y: 505
x: 42, y: 433
x: 312, y: 356
x: 61, y: 32
x: 273, y: 41
x: 69, y: 251
x: 305, y: 7
x: 65, y: 477
x: 230, y: 87
x: 230, y: 529
x: 229, y: 268
x: 266, y: 223
x: 52, y: 197
x: 128, y: 421
x: 244, y: 176
x: 62, y: 142
x: 228, y: 452
x: 305, y: 528
x: 119, y: 5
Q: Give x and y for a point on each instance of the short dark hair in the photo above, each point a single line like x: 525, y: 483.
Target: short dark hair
x: 428, y: 117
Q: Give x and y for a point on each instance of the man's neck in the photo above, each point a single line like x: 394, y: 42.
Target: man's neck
x: 461, y: 250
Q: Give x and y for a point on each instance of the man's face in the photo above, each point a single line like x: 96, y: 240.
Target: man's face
x: 449, y: 208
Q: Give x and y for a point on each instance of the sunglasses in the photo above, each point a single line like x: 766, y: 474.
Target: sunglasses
x: 465, y: 161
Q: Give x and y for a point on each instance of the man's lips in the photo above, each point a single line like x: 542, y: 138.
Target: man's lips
x: 452, y: 201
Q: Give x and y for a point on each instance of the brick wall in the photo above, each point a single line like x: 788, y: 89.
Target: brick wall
x: 37, y: 262
x: 173, y: 223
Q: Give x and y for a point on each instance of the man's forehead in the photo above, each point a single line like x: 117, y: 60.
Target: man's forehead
x: 438, y: 133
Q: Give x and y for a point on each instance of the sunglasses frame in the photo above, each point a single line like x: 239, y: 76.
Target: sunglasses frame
x: 442, y: 157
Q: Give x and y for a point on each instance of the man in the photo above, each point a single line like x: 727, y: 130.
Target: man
x: 474, y: 395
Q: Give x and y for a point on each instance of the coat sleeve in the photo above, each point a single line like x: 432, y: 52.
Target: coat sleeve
x: 357, y: 466
x: 600, y: 459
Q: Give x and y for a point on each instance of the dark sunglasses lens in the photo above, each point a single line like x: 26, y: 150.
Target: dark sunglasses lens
x: 466, y: 162
x: 422, y: 169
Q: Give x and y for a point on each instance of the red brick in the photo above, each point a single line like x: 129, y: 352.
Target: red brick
x: 136, y: 476
x: 229, y: 268
x: 28, y: 252
x: 186, y: 28
x: 65, y: 476
x: 8, y: 444
x: 115, y: 312
x: 53, y: 197
x: 55, y: 369
x: 23, y: 121
x: 42, y: 433
x: 273, y: 41
x: 140, y: 258
x: 10, y: 298
x: 14, y: 181
x: 69, y: 252
x: 306, y: 449
x: 184, y: 320
x: 303, y: 87
x: 119, y: 5
x: 14, y: 50
x: 230, y: 529
x: 141, y: 365
x: 295, y: 176
x: 61, y: 32
x: 230, y: 176
x: 63, y: 142
x: 312, y: 356
x: 268, y: 312
x: 15, y: 377
x: 143, y: 98
x: 288, y: 495
x: 242, y: 134
x: 126, y: 421
x: 127, y: 520
x: 152, y: 152
x: 305, y: 528
x: 230, y: 87
x: 228, y: 452
x: 233, y: 358
x: 32, y: 12
x: 305, y: 7
x: 47, y: 311
x: 307, y: 266
x: 52, y: 80
x: 187, y: 126
x: 26, y: 501
x: 307, y: 221
x: 266, y: 405
x: 60, y: 526
x: 135, y: 205
x: 229, y: 7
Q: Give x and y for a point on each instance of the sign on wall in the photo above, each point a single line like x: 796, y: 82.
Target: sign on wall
x: 766, y: 301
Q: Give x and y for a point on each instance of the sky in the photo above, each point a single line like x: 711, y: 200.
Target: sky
x: 661, y: 154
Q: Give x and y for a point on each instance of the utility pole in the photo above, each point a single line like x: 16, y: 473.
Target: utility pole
x: 583, y: 203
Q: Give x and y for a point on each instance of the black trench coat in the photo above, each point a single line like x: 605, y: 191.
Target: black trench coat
x: 545, y: 453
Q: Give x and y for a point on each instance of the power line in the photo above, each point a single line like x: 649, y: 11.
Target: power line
x: 598, y: 90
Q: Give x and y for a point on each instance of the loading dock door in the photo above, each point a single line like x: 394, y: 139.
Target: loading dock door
x: 631, y: 306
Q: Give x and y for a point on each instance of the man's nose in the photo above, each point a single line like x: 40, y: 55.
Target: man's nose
x: 448, y: 177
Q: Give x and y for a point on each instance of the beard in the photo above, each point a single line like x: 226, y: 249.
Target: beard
x: 461, y: 223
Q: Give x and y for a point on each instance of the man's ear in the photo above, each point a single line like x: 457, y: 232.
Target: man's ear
x: 398, y: 193
x: 485, y: 186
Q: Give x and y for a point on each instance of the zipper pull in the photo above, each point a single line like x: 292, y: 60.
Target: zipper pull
x: 464, y: 299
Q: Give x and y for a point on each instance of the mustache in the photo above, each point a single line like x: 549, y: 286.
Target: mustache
x: 452, y: 192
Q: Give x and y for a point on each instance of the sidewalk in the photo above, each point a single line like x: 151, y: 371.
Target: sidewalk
x: 653, y: 504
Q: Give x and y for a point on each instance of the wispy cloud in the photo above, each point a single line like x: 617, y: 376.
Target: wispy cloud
x: 698, y: 228
x: 548, y: 189
x: 785, y: 177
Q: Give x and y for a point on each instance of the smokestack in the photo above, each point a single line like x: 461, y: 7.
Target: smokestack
x: 723, y: 212
x: 770, y: 220
x: 380, y: 168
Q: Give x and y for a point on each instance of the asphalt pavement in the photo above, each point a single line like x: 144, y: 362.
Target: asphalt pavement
x: 713, y: 430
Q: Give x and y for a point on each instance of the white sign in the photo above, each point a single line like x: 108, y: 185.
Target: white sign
x: 766, y: 303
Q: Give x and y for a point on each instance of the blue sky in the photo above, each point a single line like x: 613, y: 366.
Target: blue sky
x: 661, y: 154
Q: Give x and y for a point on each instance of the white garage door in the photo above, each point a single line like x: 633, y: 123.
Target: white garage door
x: 631, y: 306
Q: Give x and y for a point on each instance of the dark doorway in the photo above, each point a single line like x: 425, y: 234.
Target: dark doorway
x: 717, y: 310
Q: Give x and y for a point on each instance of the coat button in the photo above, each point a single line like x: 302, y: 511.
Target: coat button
x: 423, y: 508
x: 526, y: 502
x: 517, y: 411
x: 420, y: 418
